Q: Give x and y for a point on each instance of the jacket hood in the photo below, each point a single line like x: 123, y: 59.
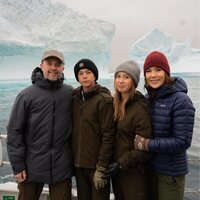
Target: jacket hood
x: 178, y: 86
x: 38, y: 79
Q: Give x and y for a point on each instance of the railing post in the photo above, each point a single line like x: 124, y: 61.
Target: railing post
x: 1, y: 154
x: 1, y: 151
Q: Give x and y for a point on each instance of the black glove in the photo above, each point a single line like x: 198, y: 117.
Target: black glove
x: 112, y: 169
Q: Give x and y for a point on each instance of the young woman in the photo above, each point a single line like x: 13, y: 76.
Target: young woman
x: 132, y: 117
x: 172, y: 115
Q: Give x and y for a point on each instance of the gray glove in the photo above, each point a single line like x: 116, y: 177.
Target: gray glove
x: 141, y: 143
x: 99, y: 182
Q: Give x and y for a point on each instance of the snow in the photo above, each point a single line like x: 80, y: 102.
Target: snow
x: 181, y: 56
x: 9, y: 186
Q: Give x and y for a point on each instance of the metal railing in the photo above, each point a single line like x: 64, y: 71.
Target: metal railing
x: 193, y: 194
x: 2, y: 162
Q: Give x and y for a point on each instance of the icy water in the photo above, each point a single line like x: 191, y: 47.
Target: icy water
x: 10, y: 88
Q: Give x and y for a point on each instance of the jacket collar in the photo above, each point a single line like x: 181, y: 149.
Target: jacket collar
x: 39, y: 80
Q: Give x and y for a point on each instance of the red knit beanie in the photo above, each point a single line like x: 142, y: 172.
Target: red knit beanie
x: 157, y: 59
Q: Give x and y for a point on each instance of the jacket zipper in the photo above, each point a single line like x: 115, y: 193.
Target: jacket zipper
x: 80, y: 136
x: 52, y: 138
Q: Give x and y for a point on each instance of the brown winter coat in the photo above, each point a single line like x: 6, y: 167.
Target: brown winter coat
x: 93, y: 127
x: 132, y: 181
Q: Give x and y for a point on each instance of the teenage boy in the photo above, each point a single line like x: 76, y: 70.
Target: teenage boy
x: 93, y: 132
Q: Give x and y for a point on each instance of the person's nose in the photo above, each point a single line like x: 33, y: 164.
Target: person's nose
x: 53, y: 67
x: 121, y: 80
x: 84, y: 75
x: 153, y: 73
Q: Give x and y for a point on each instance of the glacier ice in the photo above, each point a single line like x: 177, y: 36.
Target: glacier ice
x: 28, y: 27
x: 182, y: 57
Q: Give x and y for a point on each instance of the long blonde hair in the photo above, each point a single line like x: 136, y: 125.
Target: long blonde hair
x: 120, y: 104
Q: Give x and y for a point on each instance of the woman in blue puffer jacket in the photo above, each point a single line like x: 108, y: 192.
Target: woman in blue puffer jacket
x: 172, y: 115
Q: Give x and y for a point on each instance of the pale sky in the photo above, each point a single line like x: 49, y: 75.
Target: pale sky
x: 135, y: 18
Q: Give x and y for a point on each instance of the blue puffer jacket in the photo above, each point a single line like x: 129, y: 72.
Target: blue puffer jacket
x: 172, y: 115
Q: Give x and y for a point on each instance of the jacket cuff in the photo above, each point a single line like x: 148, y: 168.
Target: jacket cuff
x: 18, y: 168
x: 124, y: 161
x: 103, y: 164
x: 151, y: 146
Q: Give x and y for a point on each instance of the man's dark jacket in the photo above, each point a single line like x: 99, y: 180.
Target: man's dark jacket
x: 39, y: 131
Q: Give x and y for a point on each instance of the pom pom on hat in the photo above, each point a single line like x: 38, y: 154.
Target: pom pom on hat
x: 157, y: 59
x: 86, y: 64
x: 132, y: 69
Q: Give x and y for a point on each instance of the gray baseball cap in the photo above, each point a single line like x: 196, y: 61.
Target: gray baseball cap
x: 53, y: 53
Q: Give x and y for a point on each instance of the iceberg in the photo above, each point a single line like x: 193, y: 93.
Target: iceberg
x: 181, y: 56
x: 28, y: 27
